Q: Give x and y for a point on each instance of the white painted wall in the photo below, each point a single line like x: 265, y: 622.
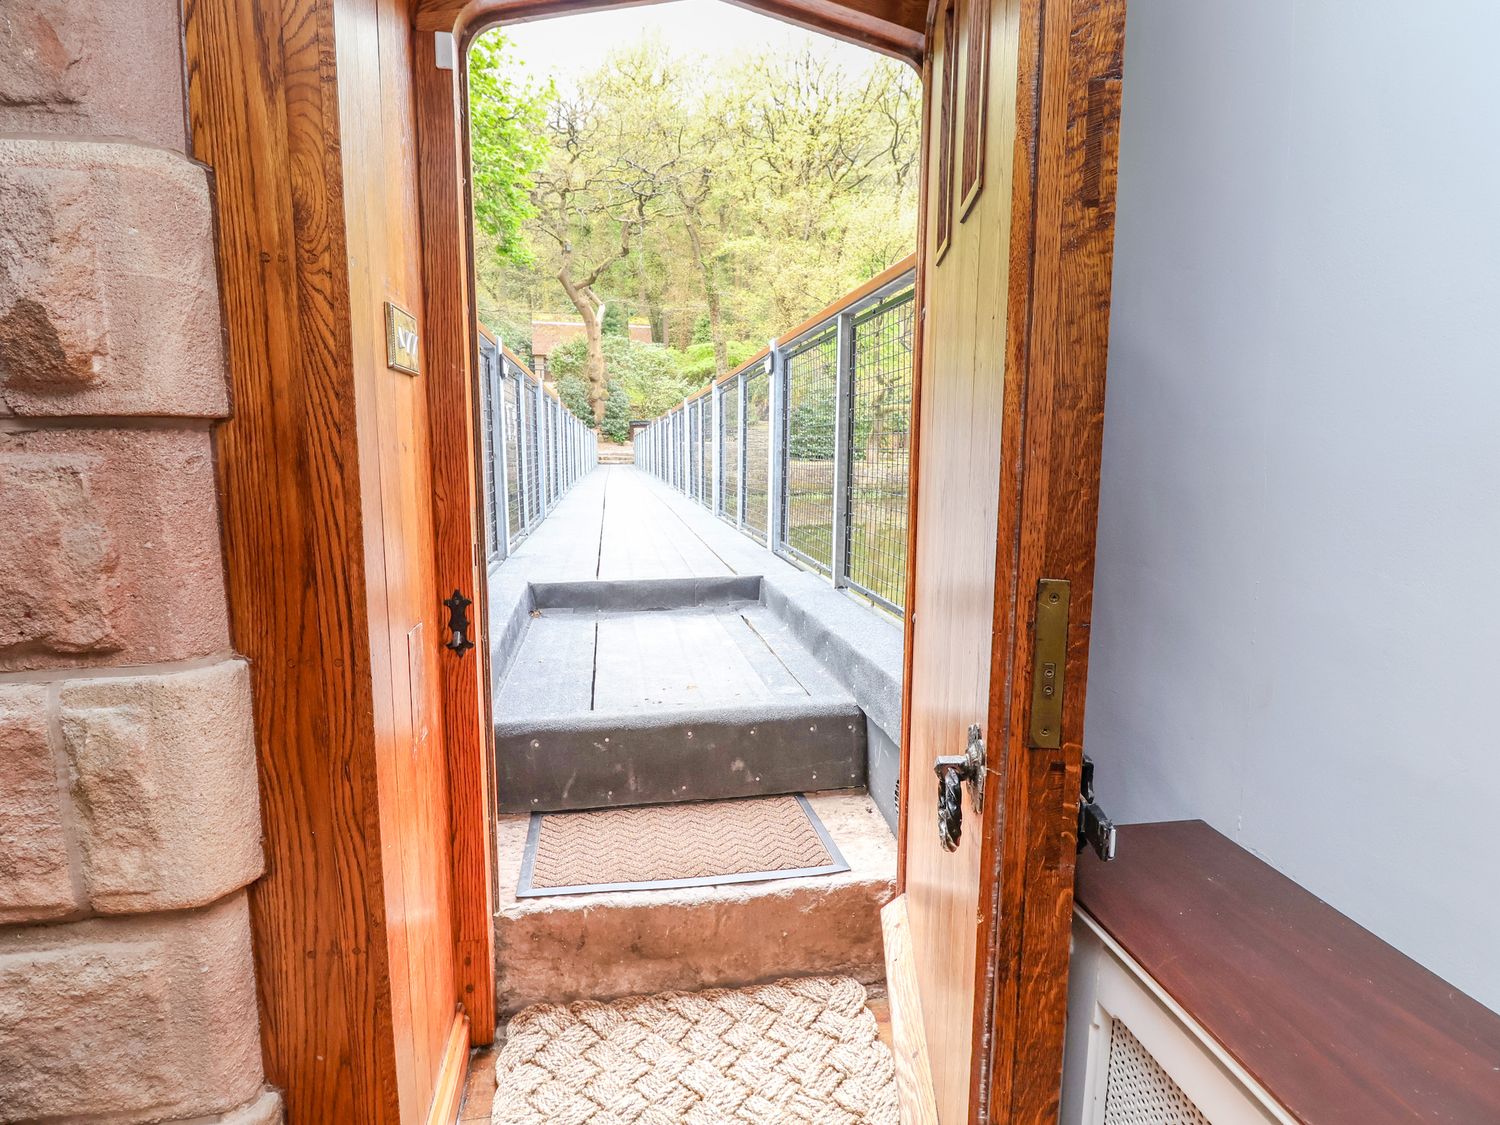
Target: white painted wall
x: 1297, y: 624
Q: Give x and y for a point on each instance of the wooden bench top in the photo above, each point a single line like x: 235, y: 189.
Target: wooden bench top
x: 1337, y: 1025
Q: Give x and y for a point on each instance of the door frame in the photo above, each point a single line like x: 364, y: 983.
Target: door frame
x: 452, y: 356
x: 1057, y: 335
x: 441, y: 94
x: 1070, y: 66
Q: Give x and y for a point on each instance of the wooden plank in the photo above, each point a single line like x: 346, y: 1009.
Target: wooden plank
x: 265, y: 119
x: 892, y: 27
x: 962, y: 577
x: 1067, y: 343
x: 453, y: 402
x: 448, y: 1095
x: 908, y: 1039
x: 1338, y: 1026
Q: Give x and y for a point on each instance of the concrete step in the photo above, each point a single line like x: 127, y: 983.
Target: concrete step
x: 621, y: 943
x: 607, y: 703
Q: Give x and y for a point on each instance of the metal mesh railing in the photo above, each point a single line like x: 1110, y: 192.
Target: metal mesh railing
x: 706, y: 445
x: 807, y: 448
x: 695, y: 444
x: 879, y: 449
x: 491, y: 440
x: 510, y: 398
x: 535, y: 450
x: 756, y: 435
x: 808, y: 430
x: 729, y: 450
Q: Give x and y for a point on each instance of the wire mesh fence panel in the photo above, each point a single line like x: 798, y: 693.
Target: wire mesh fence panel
x: 729, y: 449
x: 880, y: 440
x: 550, y: 414
x: 808, y: 441
x: 491, y: 411
x: 757, y: 430
x: 679, y: 465
x: 706, y: 446
x: 695, y: 439
x: 510, y: 398
x: 533, y: 455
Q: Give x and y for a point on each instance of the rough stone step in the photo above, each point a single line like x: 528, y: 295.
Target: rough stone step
x: 621, y: 943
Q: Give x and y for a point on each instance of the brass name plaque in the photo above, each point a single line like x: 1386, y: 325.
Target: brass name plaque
x: 401, y: 340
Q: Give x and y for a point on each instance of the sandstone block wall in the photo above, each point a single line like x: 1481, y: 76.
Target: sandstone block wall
x: 129, y: 819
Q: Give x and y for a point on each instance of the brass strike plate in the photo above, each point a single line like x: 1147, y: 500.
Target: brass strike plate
x: 1049, y: 655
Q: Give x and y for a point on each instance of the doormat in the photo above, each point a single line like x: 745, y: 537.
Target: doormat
x: 793, y: 1052
x: 692, y: 844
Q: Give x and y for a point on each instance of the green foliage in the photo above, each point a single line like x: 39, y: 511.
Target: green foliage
x: 729, y: 202
x: 697, y: 365
x: 646, y: 377
x: 509, y: 144
x: 616, y: 320
x: 512, y: 330
x: 616, y: 425
x: 573, y: 390
x: 811, y: 427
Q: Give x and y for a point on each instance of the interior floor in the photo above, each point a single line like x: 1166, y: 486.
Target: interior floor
x: 478, y: 1101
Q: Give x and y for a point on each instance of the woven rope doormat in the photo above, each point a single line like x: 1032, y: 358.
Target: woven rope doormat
x: 798, y: 1052
x: 694, y: 844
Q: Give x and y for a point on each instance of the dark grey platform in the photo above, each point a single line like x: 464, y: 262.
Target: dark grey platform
x: 609, y: 708
x: 622, y: 541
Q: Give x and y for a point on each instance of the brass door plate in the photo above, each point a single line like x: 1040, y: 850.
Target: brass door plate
x: 1049, y: 657
x: 401, y: 340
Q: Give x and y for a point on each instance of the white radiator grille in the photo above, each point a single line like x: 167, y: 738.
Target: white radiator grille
x: 1138, y: 1091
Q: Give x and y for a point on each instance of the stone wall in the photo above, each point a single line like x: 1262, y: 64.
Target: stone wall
x: 129, y: 823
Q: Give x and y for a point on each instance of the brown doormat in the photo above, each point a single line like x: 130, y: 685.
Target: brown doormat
x: 693, y: 844
x: 797, y: 1052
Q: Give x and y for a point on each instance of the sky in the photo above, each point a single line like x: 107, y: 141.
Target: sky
x: 566, y: 47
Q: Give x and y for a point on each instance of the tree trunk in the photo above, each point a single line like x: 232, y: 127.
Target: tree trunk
x: 710, y: 294
x: 591, y: 312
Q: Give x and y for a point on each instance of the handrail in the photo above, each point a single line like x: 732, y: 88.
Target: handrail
x: 906, y: 265
x: 827, y: 487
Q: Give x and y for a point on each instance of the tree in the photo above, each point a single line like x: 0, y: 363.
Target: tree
x: 509, y: 144
x: 590, y: 201
x: 742, y: 198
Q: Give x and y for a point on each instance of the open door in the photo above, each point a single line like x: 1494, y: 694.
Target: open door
x: 1022, y: 124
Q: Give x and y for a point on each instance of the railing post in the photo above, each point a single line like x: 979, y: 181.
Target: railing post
x: 776, y: 474
x: 494, y: 372
x: 843, y: 436
x: 743, y: 424
x: 716, y: 496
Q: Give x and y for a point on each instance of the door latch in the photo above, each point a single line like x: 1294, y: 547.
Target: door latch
x: 953, y: 772
x: 1095, y: 829
x: 458, y: 623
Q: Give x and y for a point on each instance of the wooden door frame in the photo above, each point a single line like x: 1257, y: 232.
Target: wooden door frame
x: 1057, y: 335
x: 453, y: 404
x: 452, y: 357
x: 1052, y: 430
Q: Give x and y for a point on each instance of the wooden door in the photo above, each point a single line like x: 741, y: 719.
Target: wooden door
x: 383, y: 224
x: 1022, y: 115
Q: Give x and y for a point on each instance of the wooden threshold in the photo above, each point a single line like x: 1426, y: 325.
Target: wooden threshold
x: 908, y: 1039
x: 449, y: 1091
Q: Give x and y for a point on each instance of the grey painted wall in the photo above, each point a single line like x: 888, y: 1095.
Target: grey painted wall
x: 1297, y: 626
